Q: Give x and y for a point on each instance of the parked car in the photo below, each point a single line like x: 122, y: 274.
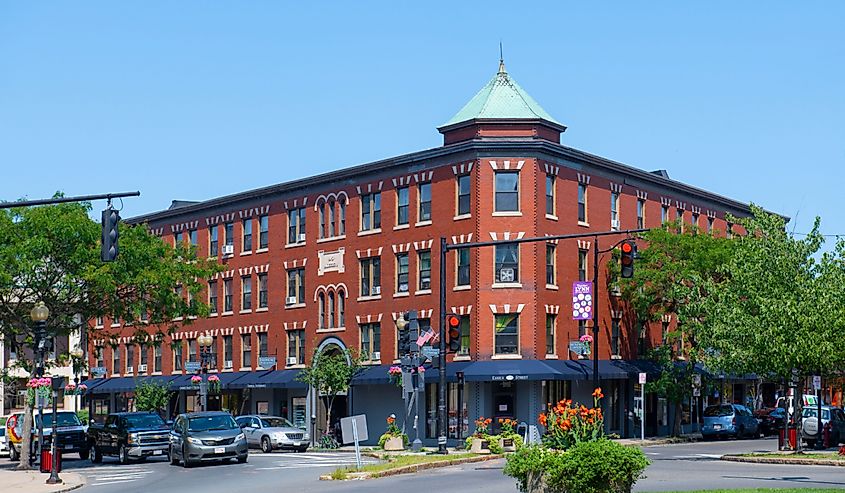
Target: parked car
x: 728, y: 420
x: 770, y: 420
x: 129, y: 436
x: 272, y: 432
x: 4, y: 445
x: 206, y: 436
x: 831, y: 416
x: 70, y: 433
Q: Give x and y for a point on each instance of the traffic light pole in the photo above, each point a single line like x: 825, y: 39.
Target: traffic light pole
x: 444, y: 248
x: 64, y: 200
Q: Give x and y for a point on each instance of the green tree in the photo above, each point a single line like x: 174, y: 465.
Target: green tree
x: 673, y: 273
x: 330, y: 373
x: 152, y: 396
x: 781, y: 306
x: 52, y: 254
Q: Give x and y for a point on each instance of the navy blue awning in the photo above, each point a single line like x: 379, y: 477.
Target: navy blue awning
x: 128, y: 384
x: 271, y: 379
x: 609, y: 369
x: 501, y: 370
x: 93, y: 383
x: 377, y: 374
x: 568, y: 370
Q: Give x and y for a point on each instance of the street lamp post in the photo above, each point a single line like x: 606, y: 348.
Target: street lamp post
x: 76, y: 356
x: 57, y: 383
x: 39, y: 315
x: 204, y: 342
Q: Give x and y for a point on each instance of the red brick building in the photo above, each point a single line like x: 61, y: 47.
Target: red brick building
x: 333, y: 259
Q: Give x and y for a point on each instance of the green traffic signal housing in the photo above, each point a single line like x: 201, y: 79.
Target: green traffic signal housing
x: 110, y: 234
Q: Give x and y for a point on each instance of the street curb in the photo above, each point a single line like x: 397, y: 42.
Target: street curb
x: 775, y: 460
x: 659, y: 441
x: 414, y: 468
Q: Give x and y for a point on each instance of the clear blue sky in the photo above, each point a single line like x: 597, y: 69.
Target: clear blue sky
x: 192, y: 100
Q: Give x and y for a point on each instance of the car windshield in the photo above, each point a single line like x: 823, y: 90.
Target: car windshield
x: 718, y: 411
x: 812, y: 413
x: 211, y: 423
x: 276, y: 423
x: 144, y: 421
x: 62, y: 419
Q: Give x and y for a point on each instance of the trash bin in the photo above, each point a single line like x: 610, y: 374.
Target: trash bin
x: 47, y: 461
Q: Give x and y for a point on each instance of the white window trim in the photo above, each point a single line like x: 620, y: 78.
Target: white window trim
x: 423, y: 223
x: 462, y: 288
x: 508, y: 214
x: 402, y: 226
x: 506, y: 285
x: 369, y: 232
x: 462, y: 216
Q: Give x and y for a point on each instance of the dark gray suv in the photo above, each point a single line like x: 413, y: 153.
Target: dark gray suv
x: 214, y: 435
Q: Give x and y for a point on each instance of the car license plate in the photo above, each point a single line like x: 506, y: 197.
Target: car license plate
x: 220, y: 450
x: 157, y: 452
x: 717, y: 427
x: 296, y: 444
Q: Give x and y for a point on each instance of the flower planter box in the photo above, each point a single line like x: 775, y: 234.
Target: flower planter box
x: 479, y: 446
x: 394, y: 443
x: 507, y: 445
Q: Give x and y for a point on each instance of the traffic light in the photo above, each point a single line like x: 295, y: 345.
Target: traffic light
x: 629, y: 250
x: 453, y: 332
x: 109, y: 249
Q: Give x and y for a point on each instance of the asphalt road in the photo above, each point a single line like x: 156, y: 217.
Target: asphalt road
x: 674, y: 467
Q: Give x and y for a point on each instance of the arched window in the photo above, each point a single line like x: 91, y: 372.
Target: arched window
x: 331, y: 310
x: 342, y: 214
x: 341, y: 308
x: 321, y: 321
x: 322, y: 212
x: 332, y: 231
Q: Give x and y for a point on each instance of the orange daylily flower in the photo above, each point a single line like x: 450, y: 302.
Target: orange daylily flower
x: 597, y: 394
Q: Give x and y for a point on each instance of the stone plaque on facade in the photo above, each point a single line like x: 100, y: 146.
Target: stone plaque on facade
x: 331, y: 261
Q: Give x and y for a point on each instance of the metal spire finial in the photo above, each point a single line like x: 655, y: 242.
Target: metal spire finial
x: 501, y: 60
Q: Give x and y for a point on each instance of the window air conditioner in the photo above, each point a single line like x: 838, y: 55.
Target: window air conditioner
x: 301, y: 237
x: 291, y: 300
x: 142, y: 368
x: 376, y: 355
x: 376, y: 290
x: 227, y: 365
x: 614, y: 224
x: 228, y: 249
x: 291, y: 360
x: 130, y: 369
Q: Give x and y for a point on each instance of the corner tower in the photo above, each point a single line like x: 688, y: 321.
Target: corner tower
x: 501, y: 110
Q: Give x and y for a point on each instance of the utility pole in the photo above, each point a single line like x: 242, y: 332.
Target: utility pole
x: 595, y: 312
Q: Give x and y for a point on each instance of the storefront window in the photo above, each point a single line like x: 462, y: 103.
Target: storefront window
x: 452, y: 398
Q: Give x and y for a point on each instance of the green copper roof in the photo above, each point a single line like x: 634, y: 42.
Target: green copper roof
x: 501, y: 98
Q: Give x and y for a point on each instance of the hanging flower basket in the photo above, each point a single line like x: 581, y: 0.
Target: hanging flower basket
x: 196, y: 380
x: 214, y: 384
x: 38, y: 387
x: 587, y: 339
x: 73, y: 389
x: 395, y: 374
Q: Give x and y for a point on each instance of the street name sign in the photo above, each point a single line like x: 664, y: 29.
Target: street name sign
x: 192, y: 366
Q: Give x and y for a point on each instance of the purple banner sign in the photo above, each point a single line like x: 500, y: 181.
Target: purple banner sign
x: 582, y: 300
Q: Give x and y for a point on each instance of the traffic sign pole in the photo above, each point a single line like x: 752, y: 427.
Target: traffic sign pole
x: 642, y: 406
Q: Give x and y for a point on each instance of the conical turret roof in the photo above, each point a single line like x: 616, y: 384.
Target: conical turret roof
x: 501, y: 99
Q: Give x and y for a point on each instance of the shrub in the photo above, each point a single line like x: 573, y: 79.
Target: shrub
x: 587, y: 467
x: 532, y: 459
x: 82, y: 414
x: 599, y: 466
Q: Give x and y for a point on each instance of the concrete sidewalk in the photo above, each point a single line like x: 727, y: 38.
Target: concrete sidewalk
x: 650, y: 442
x: 34, y: 481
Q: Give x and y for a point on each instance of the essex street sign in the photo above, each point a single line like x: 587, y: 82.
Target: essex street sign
x: 582, y: 300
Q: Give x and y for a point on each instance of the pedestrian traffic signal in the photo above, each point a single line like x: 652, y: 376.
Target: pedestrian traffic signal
x: 108, y: 244
x: 629, y: 250
x: 453, y: 331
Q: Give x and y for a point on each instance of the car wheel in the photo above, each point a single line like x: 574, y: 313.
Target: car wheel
x: 84, y: 453
x: 13, y: 454
x: 811, y: 443
x: 122, y: 454
x: 301, y: 449
x: 242, y: 460
x: 185, y: 462
x: 266, y: 446
x: 173, y: 459
x: 96, y: 455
